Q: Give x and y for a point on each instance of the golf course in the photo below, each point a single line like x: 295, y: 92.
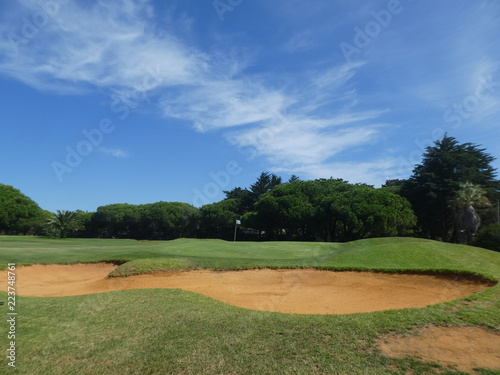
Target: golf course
x: 193, y: 306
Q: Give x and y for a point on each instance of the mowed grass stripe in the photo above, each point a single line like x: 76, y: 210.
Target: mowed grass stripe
x: 41, y: 250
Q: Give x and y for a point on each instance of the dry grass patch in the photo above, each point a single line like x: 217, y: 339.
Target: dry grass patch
x: 464, y: 348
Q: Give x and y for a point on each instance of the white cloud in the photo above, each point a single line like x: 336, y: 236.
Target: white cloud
x: 115, y: 152
x: 300, y: 42
x: 374, y: 172
x: 290, y: 141
x: 105, y: 45
x: 224, y: 103
x: 297, y: 124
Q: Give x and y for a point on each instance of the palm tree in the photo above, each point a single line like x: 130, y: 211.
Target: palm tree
x: 467, y: 220
x: 63, y: 221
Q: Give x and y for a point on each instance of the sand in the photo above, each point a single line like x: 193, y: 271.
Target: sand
x: 298, y: 291
x: 463, y: 348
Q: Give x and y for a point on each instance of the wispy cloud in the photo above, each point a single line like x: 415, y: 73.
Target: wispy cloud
x: 299, y: 120
x: 374, y: 172
x: 113, y: 46
x: 114, y: 152
x: 304, y: 124
x: 300, y: 42
x: 302, y: 142
x: 224, y: 103
x: 107, y: 44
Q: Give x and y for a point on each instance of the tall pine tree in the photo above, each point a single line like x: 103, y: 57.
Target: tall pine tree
x: 435, y: 182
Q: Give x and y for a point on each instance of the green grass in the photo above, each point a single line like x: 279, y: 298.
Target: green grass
x: 385, y: 254
x: 152, y: 265
x: 27, y: 250
x: 161, y: 331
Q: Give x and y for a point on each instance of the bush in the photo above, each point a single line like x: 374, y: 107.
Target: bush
x: 489, y: 237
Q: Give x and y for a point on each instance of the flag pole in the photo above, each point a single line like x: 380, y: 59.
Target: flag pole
x: 236, y: 223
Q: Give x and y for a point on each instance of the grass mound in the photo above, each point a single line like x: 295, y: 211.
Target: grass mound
x: 152, y: 265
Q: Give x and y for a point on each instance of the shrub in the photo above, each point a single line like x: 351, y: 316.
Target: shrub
x: 489, y: 237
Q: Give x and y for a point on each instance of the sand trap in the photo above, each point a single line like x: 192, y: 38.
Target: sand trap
x: 300, y: 291
x: 465, y: 348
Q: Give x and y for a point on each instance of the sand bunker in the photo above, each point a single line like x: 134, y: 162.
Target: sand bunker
x: 299, y: 291
x: 465, y: 348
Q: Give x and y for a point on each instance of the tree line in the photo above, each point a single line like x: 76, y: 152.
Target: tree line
x: 324, y: 210
x: 453, y: 192
x: 449, y: 197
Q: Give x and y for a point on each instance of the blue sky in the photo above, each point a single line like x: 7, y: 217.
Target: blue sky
x: 140, y: 101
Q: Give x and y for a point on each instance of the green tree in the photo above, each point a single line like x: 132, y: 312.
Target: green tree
x: 117, y: 220
x: 84, y: 226
x: 19, y: 213
x: 265, y: 182
x: 246, y: 198
x: 285, y: 210
x: 489, y: 237
x: 167, y: 220
x: 333, y: 210
x: 243, y: 197
x: 217, y: 219
x: 433, y: 186
x: 359, y: 211
x: 187, y: 220
x: 62, y: 222
x: 394, y: 186
x: 153, y: 221
x: 467, y: 219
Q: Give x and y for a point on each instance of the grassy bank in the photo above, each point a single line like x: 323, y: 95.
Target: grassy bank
x: 388, y: 254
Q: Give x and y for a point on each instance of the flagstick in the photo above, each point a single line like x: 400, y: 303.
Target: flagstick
x: 236, y: 223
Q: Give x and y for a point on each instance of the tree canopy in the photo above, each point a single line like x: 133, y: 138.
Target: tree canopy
x: 62, y: 222
x: 19, y: 213
x: 434, y: 184
x: 154, y: 221
x: 331, y: 210
x: 217, y: 219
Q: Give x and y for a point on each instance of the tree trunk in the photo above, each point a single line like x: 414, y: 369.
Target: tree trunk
x: 468, y: 223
